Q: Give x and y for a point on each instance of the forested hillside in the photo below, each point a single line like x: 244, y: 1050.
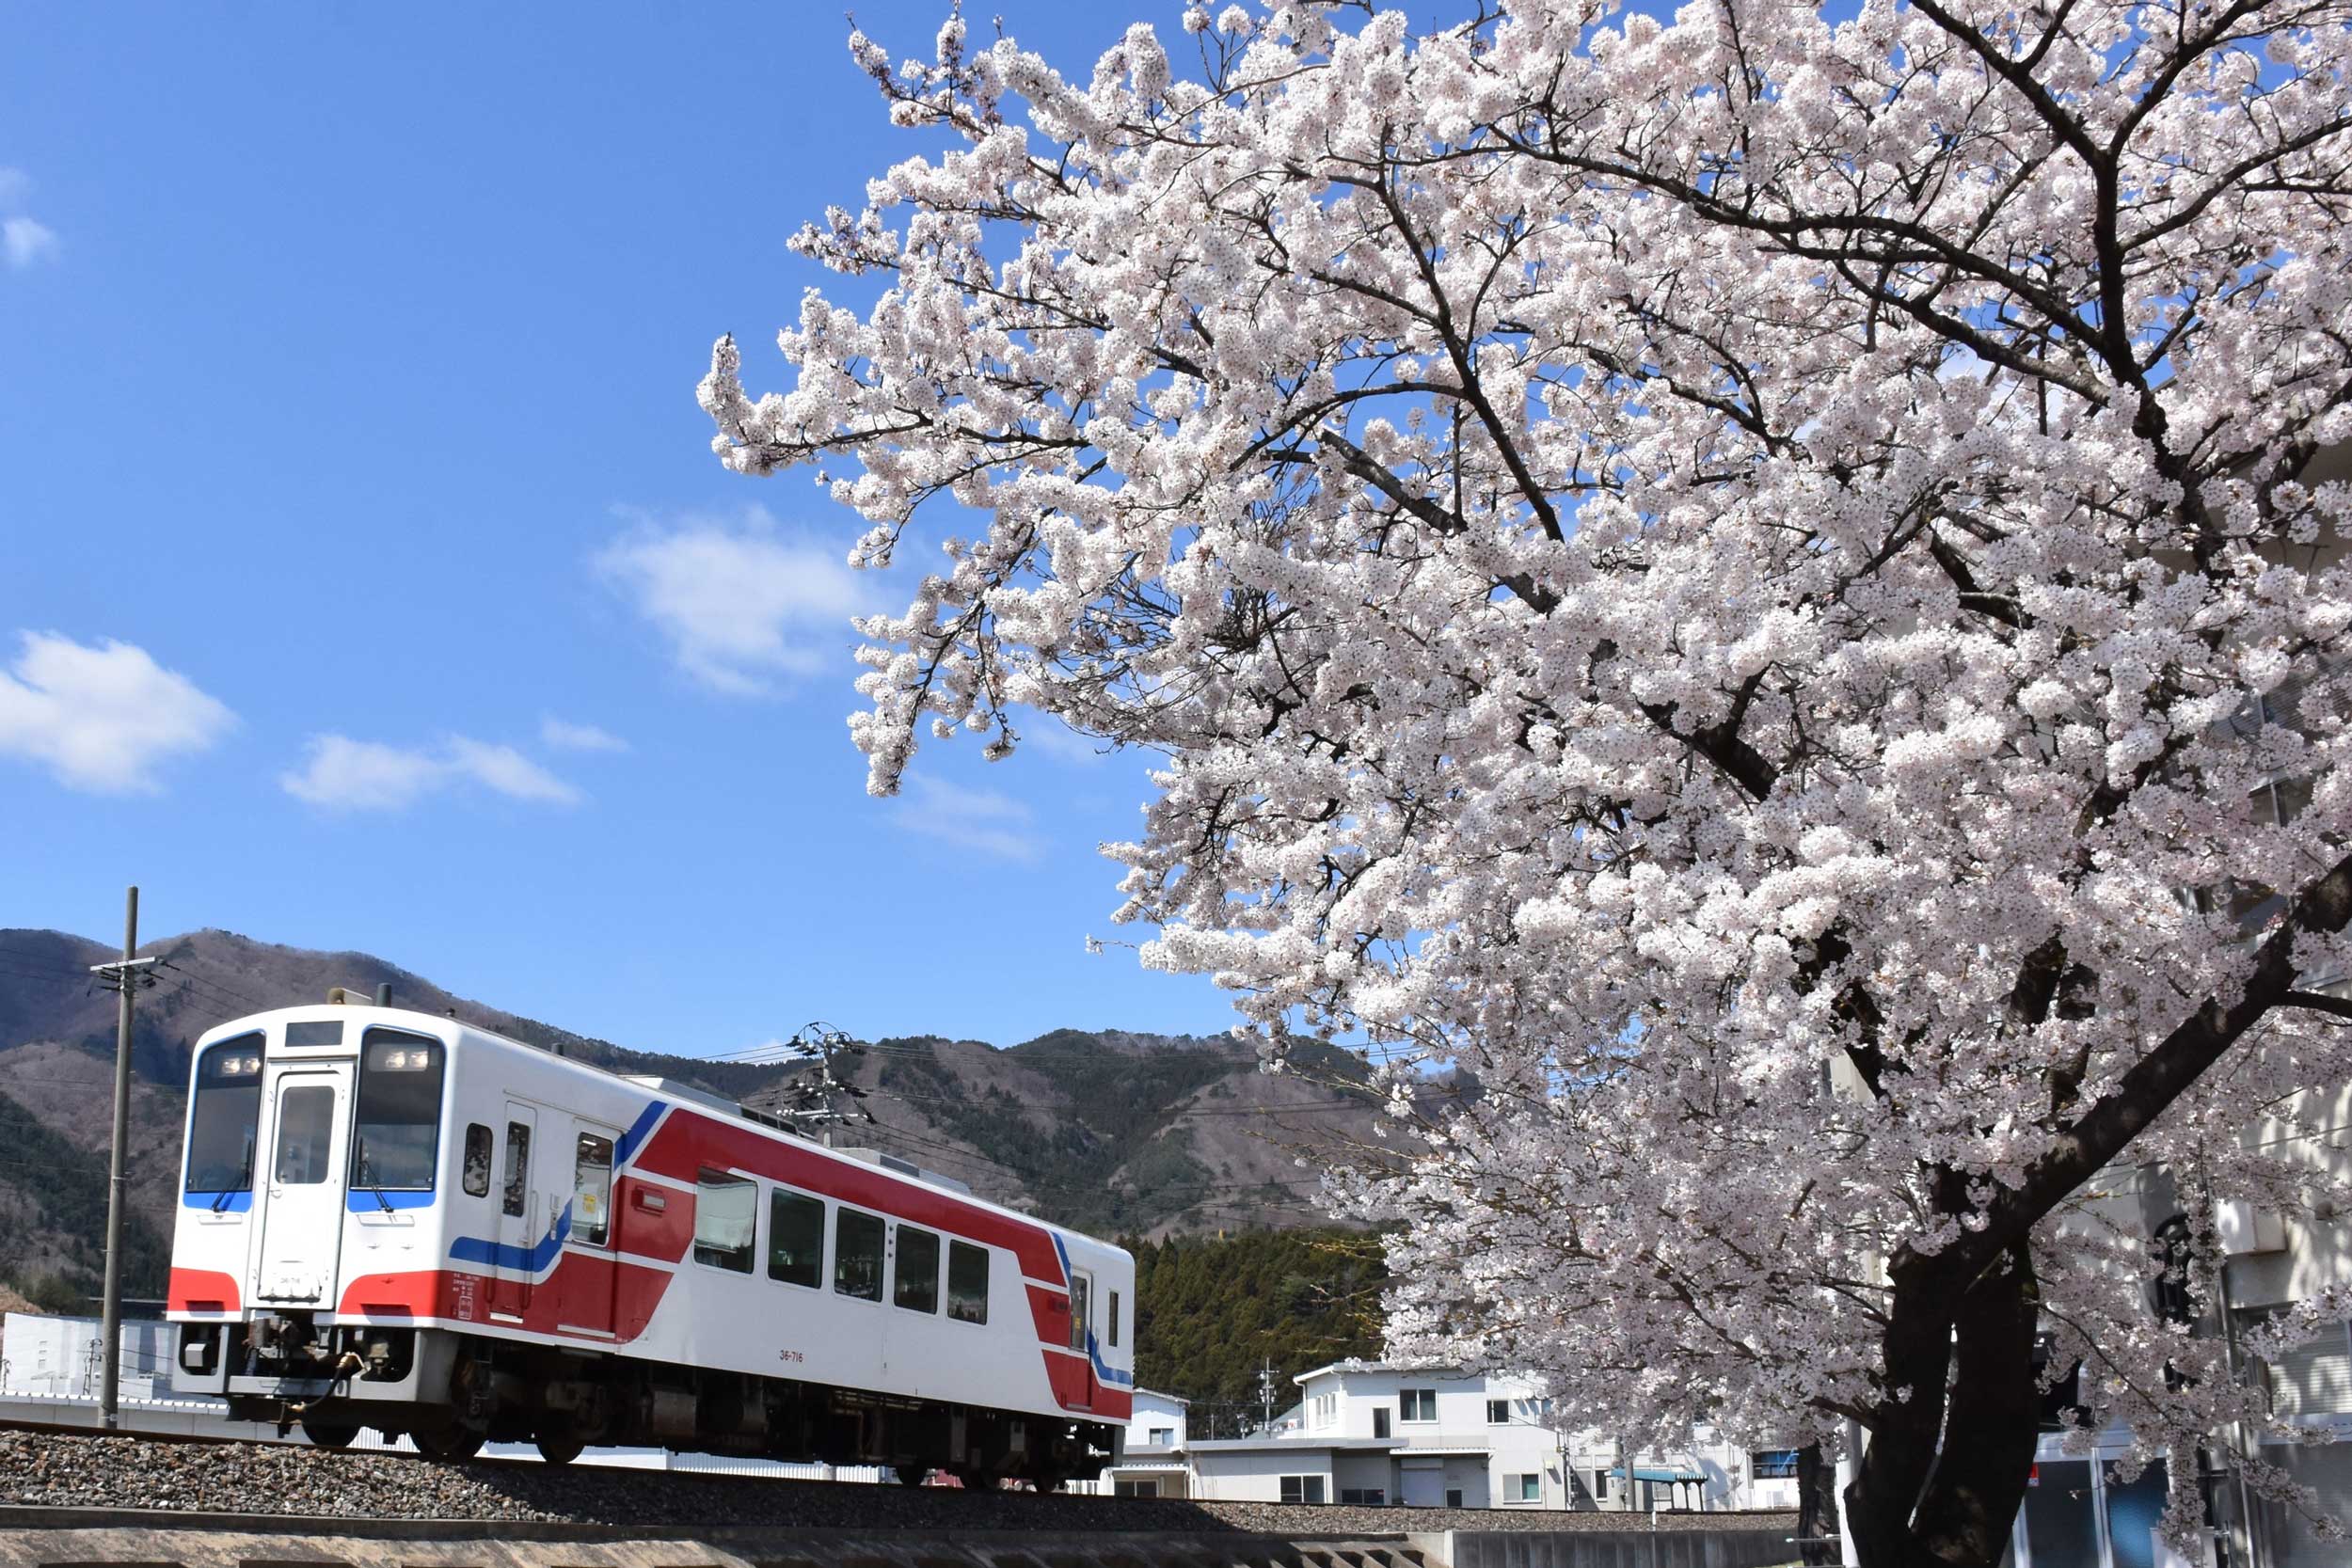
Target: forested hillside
x: 1212, y: 1312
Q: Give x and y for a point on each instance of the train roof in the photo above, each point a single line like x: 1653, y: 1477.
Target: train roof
x: 442, y: 1026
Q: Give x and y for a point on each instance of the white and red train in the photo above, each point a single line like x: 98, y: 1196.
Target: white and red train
x: 393, y: 1220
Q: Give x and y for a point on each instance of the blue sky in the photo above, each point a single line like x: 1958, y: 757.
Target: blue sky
x: 365, y: 578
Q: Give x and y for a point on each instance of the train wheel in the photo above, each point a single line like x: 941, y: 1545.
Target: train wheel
x: 978, y: 1480
x: 327, y: 1434
x: 450, y: 1445
x: 913, y: 1475
x: 557, y: 1445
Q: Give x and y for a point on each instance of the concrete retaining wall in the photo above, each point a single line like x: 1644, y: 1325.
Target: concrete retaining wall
x: 1665, y: 1548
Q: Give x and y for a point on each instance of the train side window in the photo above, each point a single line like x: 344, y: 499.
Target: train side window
x: 726, y: 1208
x: 917, y: 1284
x: 796, y: 1239
x: 477, y: 1170
x: 518, y: 1169
x: 1111, y: 1318
x: 591, y: 1188
x: 857, y: 1254
x: 967, y: 1282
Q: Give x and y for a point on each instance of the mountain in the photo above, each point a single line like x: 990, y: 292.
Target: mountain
x: 1103, y: 1131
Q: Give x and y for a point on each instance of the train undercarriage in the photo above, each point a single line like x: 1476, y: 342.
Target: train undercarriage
x: 452, y: 1392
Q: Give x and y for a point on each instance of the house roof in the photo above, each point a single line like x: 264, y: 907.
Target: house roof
x: 1356, y: 1364
x: 1173, y: 1398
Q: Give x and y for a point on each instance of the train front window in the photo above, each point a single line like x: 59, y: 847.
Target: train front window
x: 399, y: 1119
x: 227, y: 1111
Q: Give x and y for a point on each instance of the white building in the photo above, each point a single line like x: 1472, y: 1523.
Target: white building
x: 65, y: 1357
x: 1438, y: 1437
x: 1152, y: 1460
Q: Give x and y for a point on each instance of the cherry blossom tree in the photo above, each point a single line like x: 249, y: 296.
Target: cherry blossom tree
x: 1769, y: 585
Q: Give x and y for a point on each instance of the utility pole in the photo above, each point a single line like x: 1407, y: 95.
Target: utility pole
x: 1265, y: 1393
x: 814, y: 1102
x: 127, y: 975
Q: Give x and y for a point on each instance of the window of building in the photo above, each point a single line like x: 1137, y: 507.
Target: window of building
x: 1773, y: 1465
x: 1523, y: 1489
x: 477, y: 1167
x: 857, y: 1254
x: 967, y: 1282
x: 591, y: 1188
x: 916, y: 1287
x: 796, y: 1238
x: 1380, y: 1421
x: 1416, y: 1404
x: 1453, y: 1497
x: 1497, y: 1412
x: 1137, y: 1488
x: 1600, y: 1486
x: 1369, y: 1496
x: 518, y: 1169
x: 399, y: 1118
x: 1302, y: 1489
x: 1161, y: 1437
x: 726, y: 1211
x: 1323, y: 1409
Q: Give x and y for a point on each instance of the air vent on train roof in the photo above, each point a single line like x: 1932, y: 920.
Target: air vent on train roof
x: 670, y: 1088
x: 906, y: 1167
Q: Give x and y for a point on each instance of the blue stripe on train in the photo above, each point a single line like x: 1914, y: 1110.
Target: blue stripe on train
x: 361, y: 1200
x: 237, y: 1203
x: 638, y: 1131
x: 499, y: 1255
x: 1104, y: 1370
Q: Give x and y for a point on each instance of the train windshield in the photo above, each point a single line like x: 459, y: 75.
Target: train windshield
x: 228, y: 1110
x: 398, y: 1126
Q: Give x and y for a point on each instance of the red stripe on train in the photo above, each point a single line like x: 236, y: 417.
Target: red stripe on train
x: 687, y: 1141
x: 585, y: 1293
x: 200, y: 1291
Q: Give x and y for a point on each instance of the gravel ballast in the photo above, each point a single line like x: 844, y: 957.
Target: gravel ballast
x: 66, y: 1471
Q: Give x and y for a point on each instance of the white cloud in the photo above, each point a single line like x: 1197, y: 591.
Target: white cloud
x: 567, y: 736
x: 742, y: 605
x: 24, y: 241
x: 508, y: 771
x: 102, y: 716
x: 976, y: 819
x: 343, y: 774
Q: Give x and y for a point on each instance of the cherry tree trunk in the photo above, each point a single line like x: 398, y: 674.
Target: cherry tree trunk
x: 1945, y: 1468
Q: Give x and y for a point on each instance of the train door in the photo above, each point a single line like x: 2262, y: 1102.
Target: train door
x: 302, y: 1225
x: 1082, y: 1324
x: 521, y: 1219
x: 589, y: 1283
